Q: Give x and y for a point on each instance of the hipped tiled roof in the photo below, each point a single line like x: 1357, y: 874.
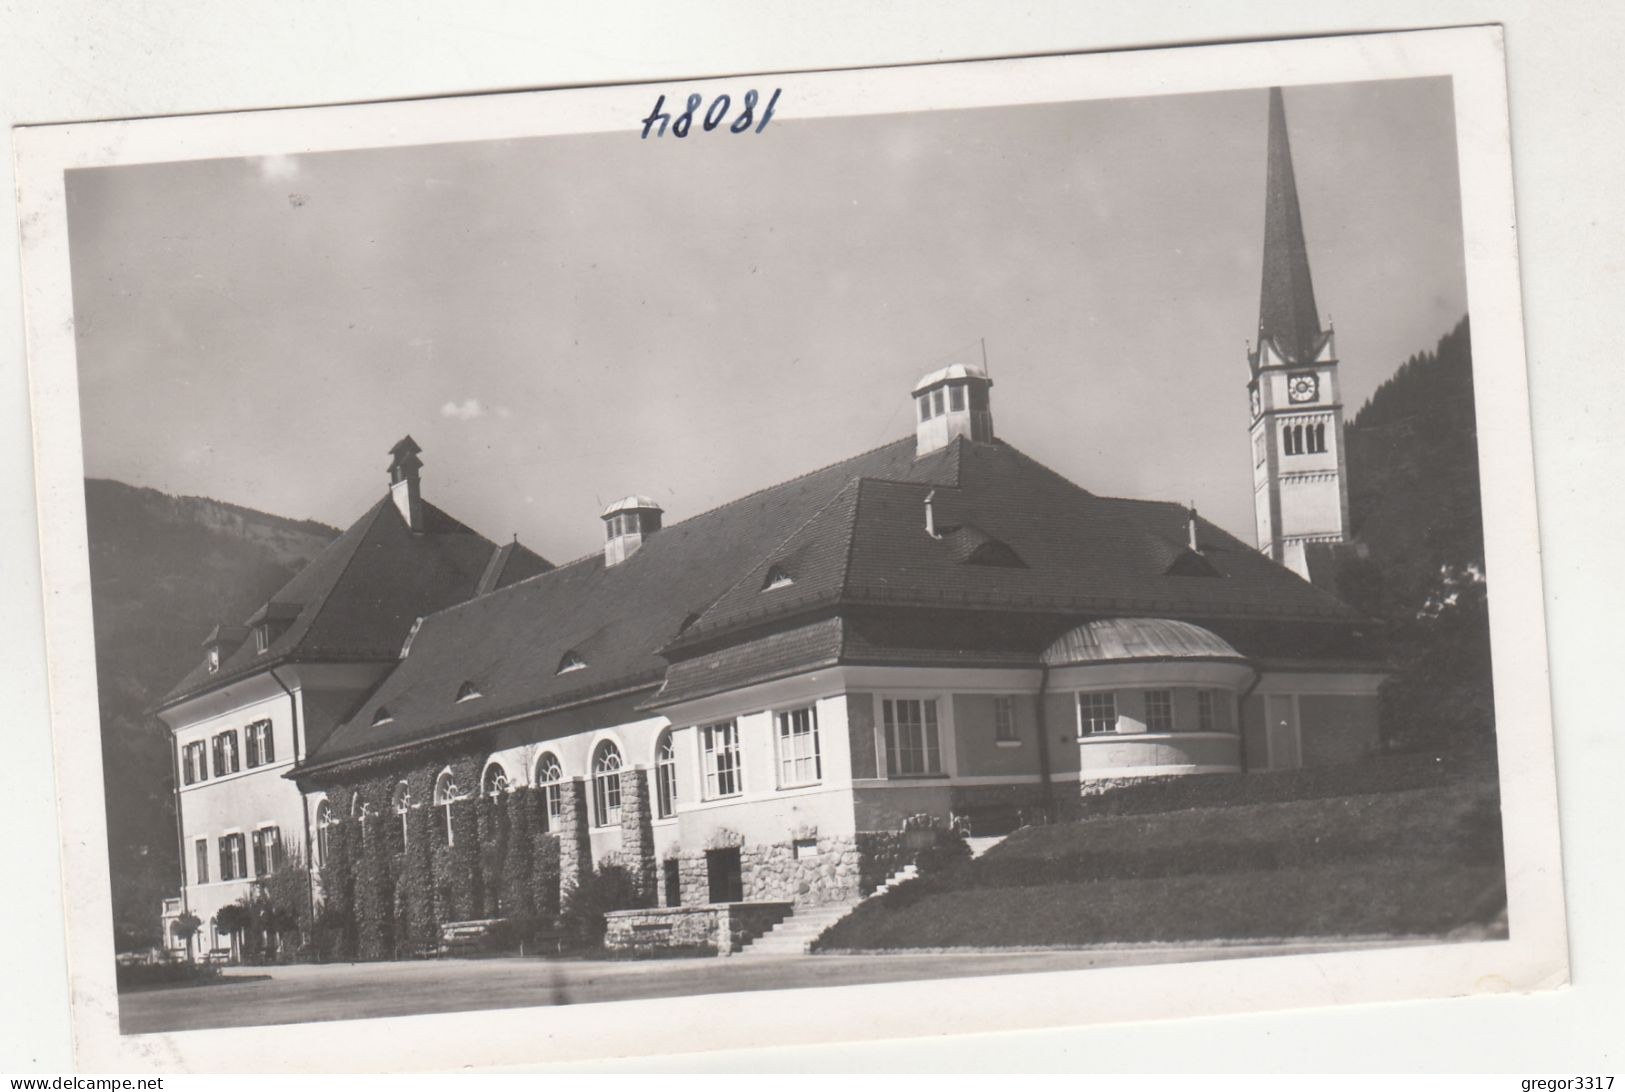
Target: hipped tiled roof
x: 851, y: 537
x: 358, y: 598
x: 615, y: 619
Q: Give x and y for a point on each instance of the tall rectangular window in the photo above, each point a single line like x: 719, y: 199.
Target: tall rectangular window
x: 267, y: 850
x: 1205, y: 719
x: 1004, y: 719
x: 226, y: 760
x: 259, y: 744
x: 1097, y: 713
x: 956, y: 397
x: 201, y: 847
x: 1159, y: 710
x: 799, y: 762
x: 233, y: 859
x: 194, y: 763
x: 912, y: 747
x: 722, y: 773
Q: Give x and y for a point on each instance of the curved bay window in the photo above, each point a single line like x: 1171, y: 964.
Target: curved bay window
x: 550, y: 780
x: 400, y: 802
x: 665, y: 777
x: 445, y: 795
x: 606, y: 785
x: 324, y: 820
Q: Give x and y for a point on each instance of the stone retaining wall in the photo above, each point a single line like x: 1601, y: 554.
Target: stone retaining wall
x: 722, y: 928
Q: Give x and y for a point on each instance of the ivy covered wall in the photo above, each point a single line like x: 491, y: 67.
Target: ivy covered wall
x: 383, y: 900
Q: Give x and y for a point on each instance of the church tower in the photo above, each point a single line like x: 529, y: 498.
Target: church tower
x: 1300, y: 480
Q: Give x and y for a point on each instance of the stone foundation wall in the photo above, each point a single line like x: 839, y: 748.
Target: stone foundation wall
x: 831, y: 873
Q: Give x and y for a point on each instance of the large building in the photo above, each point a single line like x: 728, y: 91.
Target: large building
x: 760, y: 703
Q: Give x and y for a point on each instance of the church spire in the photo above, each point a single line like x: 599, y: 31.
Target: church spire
x: 1286, y: 314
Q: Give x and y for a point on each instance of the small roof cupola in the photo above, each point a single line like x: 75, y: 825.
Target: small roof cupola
x: 951, y: 402
x: 627, y: 523
x: 404, y: 487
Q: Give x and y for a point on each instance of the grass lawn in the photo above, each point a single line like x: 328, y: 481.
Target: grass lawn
x: 1412, y: 863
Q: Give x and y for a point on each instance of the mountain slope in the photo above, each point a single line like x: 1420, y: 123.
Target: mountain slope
x: 163, y: 571
x: 1417, y: 514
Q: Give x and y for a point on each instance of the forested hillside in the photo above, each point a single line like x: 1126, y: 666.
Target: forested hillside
x: 1417, y: 515
x: 163, y: 571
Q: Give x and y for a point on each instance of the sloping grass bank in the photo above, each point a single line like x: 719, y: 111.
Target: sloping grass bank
x: 1421, y: 861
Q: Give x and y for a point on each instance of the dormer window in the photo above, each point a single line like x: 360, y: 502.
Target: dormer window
x: 777, y: 577
x: 467, y: 692
x: 570, y: 661
x: 221, y: 642
x: 381, y: 715
x: 270, y: 622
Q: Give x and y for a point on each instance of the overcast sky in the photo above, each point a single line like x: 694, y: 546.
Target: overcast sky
x: 561, y: 321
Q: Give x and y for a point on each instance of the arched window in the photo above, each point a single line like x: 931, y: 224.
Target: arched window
x: 570, y: 661
x: 665, y: 777
x: 606, y: 785
x: 1286, y: 439
x: 550, y: 779
x: 495, y: 780
x: 1320, y: 438
x: 324, y: 819
x: 445, y: 795
x: 400, y: 802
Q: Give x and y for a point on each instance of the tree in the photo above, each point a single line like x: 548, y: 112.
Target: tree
x: 609, y: 887
x: 185, y: 928
x: 234, y: 919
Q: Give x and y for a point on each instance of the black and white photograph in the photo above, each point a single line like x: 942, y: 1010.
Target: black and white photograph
x: 788, y: 535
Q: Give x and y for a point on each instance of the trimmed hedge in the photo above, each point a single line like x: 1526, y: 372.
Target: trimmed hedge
x: 1380, y: 774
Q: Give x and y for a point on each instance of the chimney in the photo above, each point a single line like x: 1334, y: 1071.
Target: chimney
x: 627, y: 523
x: 1191, y: 521
x: 404, y: 488
x: 931, y: 515
x: 949, y: 403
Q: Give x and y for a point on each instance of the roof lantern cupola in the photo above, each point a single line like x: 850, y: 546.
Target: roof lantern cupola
x: 404, y: 487
x: 627, y: 523
x: 952, y: 402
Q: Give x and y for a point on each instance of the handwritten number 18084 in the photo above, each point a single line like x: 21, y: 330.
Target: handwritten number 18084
x: 713, y: 116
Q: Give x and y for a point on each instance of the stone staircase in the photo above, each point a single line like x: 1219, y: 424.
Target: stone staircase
x: 794, y: 935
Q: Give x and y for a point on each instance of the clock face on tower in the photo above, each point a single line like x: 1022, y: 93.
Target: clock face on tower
x: 1257, y: 402
x: 1303, y: 388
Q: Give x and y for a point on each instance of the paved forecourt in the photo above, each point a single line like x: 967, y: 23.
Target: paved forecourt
x: 350, y: 991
